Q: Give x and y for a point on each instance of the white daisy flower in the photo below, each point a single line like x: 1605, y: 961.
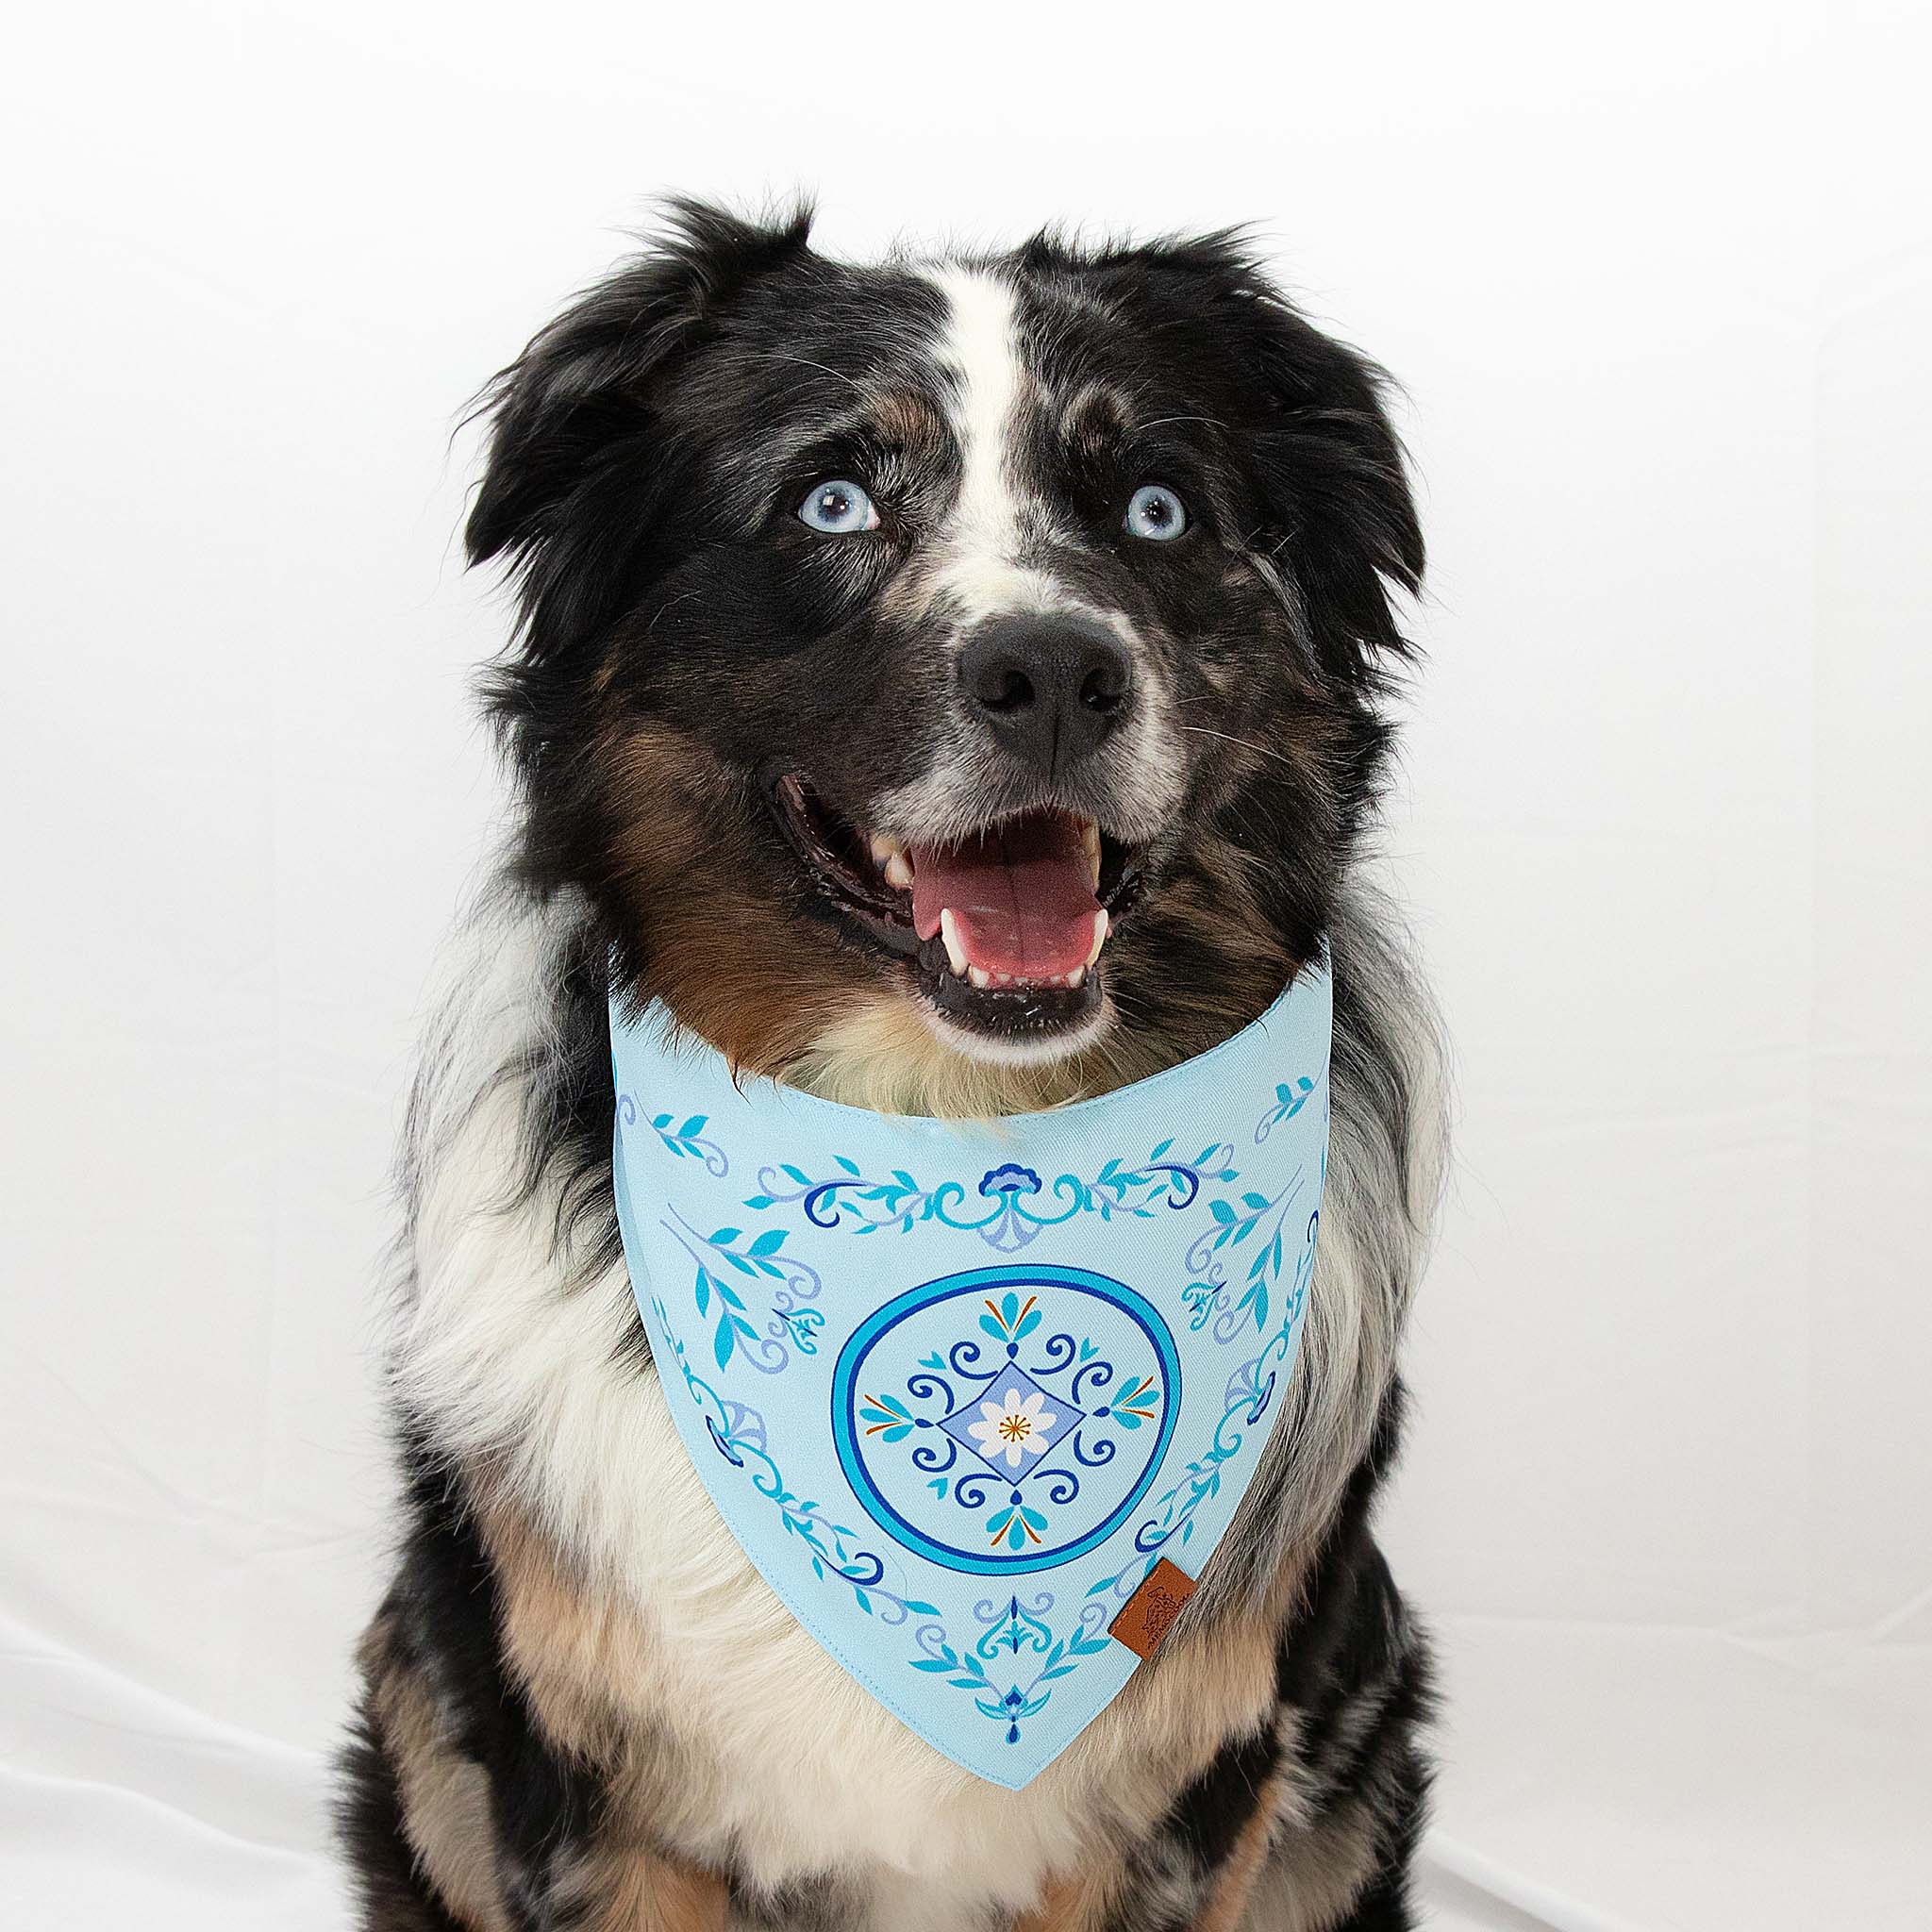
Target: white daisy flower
x: 1012, y: 1427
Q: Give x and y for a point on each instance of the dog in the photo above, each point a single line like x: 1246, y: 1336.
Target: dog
x: 838, y: 585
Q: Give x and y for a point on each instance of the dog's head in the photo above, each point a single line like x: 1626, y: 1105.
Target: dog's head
x: 961, y: 670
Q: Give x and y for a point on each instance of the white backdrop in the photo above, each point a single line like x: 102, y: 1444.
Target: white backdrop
x: 1658, y: 283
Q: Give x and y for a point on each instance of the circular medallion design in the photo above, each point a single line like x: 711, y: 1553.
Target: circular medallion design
x: 1006, y: 1419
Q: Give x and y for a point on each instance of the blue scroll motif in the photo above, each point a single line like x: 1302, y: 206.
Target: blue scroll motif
x: 1211, y: 1296
x: 724, y: 1256
x: 686, y: 1142
x: 1017, y: 1203
x: 1006, y: 1416
x: 1011, y: 1629
x: 1010, y: 1432
x: 1247, y: 1401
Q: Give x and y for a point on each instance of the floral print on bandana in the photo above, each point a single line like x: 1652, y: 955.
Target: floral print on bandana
x: 1013, y: 1427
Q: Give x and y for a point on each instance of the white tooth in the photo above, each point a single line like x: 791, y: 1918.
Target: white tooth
x: 1077, y: 977
x: 1099, y: 934
x: 979, y: 976
x: 955, y: 953
x: 899, y: 871
x: 1004, y: 978
x: 1090, y: 840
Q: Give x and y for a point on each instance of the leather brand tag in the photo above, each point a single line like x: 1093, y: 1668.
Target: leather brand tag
x: 1147, y: 1615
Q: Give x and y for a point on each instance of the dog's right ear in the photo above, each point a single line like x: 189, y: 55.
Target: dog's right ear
x: 571, y: 418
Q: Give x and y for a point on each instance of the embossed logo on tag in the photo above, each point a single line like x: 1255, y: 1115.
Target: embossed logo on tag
x: 1147, y: 1615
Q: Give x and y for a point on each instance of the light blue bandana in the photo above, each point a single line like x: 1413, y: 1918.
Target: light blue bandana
x: 959, y: 1389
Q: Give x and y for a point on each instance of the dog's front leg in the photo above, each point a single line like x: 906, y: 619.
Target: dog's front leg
x: 636, y: 1890
x: 1082, y: 1903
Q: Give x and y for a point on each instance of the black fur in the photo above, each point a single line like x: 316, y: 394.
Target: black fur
x: 390, y: 1891
x: 438, y: 1626
x: 1350, y: 1646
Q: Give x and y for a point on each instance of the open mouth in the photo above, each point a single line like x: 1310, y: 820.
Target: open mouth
x: 1005, y: 929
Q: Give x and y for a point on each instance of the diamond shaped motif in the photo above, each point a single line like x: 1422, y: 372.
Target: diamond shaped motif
x: 1011, y: 1422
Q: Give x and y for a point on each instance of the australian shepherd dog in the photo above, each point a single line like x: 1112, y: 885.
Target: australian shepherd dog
x: 838, y: 586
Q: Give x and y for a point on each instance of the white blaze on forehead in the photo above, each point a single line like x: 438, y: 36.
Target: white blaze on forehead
x: 980, y: 351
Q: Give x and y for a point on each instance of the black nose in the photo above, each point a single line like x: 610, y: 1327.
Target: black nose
x: 1050, y: 688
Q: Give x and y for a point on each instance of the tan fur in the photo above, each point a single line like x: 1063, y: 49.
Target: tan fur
x: 733, y: 964
x: 595, y: 1677
x: 881, y: 1055
x: 1313, y: 1878
x: 1228, y: 1904
x: 575, y: 1649
x: 632, y: 1889
x: 908, y: 425
x: 1208, y: 1685
x: 445, y: 1797
x: 1094, y: 422
x: 1079, y: 1904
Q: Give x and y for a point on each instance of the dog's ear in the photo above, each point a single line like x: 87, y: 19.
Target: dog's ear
x: 570, y: 419
x: 1330, y: 469
x: 1340, y: 524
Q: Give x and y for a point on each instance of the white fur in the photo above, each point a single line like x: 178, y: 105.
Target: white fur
x: 980, y: 572
x: 502, y: 1349
x: 1024, y: 1049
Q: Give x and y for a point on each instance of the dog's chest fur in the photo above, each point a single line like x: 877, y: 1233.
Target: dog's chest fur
x: 746, y: 1746
x: 648, y: 1643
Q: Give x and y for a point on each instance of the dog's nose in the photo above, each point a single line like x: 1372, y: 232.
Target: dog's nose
x: 1050, y: 688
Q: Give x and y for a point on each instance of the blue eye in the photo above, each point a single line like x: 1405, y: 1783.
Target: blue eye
x: 837, y: 507
x: 1154, y: 511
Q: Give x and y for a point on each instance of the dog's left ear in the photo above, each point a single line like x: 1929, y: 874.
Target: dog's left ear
x: 1327, y: 464
x: 572, y: 436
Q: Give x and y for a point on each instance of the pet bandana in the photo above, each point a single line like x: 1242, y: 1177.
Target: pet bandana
x: 978, y: 1400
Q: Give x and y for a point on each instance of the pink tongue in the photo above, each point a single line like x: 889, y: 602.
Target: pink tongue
x: 1022, y: 896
